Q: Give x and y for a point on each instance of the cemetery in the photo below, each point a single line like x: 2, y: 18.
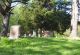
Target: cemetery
x: 39, y: 27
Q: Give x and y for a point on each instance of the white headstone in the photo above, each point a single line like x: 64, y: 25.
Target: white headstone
x: 34, y: 34
x: 14, y: 32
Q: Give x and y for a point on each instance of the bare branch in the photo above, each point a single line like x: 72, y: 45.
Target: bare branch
x: 1, y: 10
x: 4, y: 3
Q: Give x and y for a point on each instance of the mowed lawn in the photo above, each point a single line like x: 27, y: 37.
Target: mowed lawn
x: 39, y: 46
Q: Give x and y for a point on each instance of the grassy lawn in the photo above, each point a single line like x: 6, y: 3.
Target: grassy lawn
x: 39, y: 46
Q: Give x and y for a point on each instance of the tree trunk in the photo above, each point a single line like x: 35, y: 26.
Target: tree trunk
x: 74, y: 19
x: 5, y: 24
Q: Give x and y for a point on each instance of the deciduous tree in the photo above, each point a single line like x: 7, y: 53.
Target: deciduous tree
x: 74, y: 19
x: 5, y: 10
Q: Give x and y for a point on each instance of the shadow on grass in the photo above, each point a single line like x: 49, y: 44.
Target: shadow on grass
x: 39, y: 46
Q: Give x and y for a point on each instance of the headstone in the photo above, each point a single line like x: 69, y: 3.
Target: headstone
x: 34, y: 34
x: 39, y: 33
x: 30, y: 33
x: 14, y: 32
x: 47, y: 33
x: 25, y: 35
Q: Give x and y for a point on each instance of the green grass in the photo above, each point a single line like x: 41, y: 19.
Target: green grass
x: 39, y: 46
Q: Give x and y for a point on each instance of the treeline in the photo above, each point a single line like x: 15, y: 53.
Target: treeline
x: 48, y: 15
x: 44, y: 15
